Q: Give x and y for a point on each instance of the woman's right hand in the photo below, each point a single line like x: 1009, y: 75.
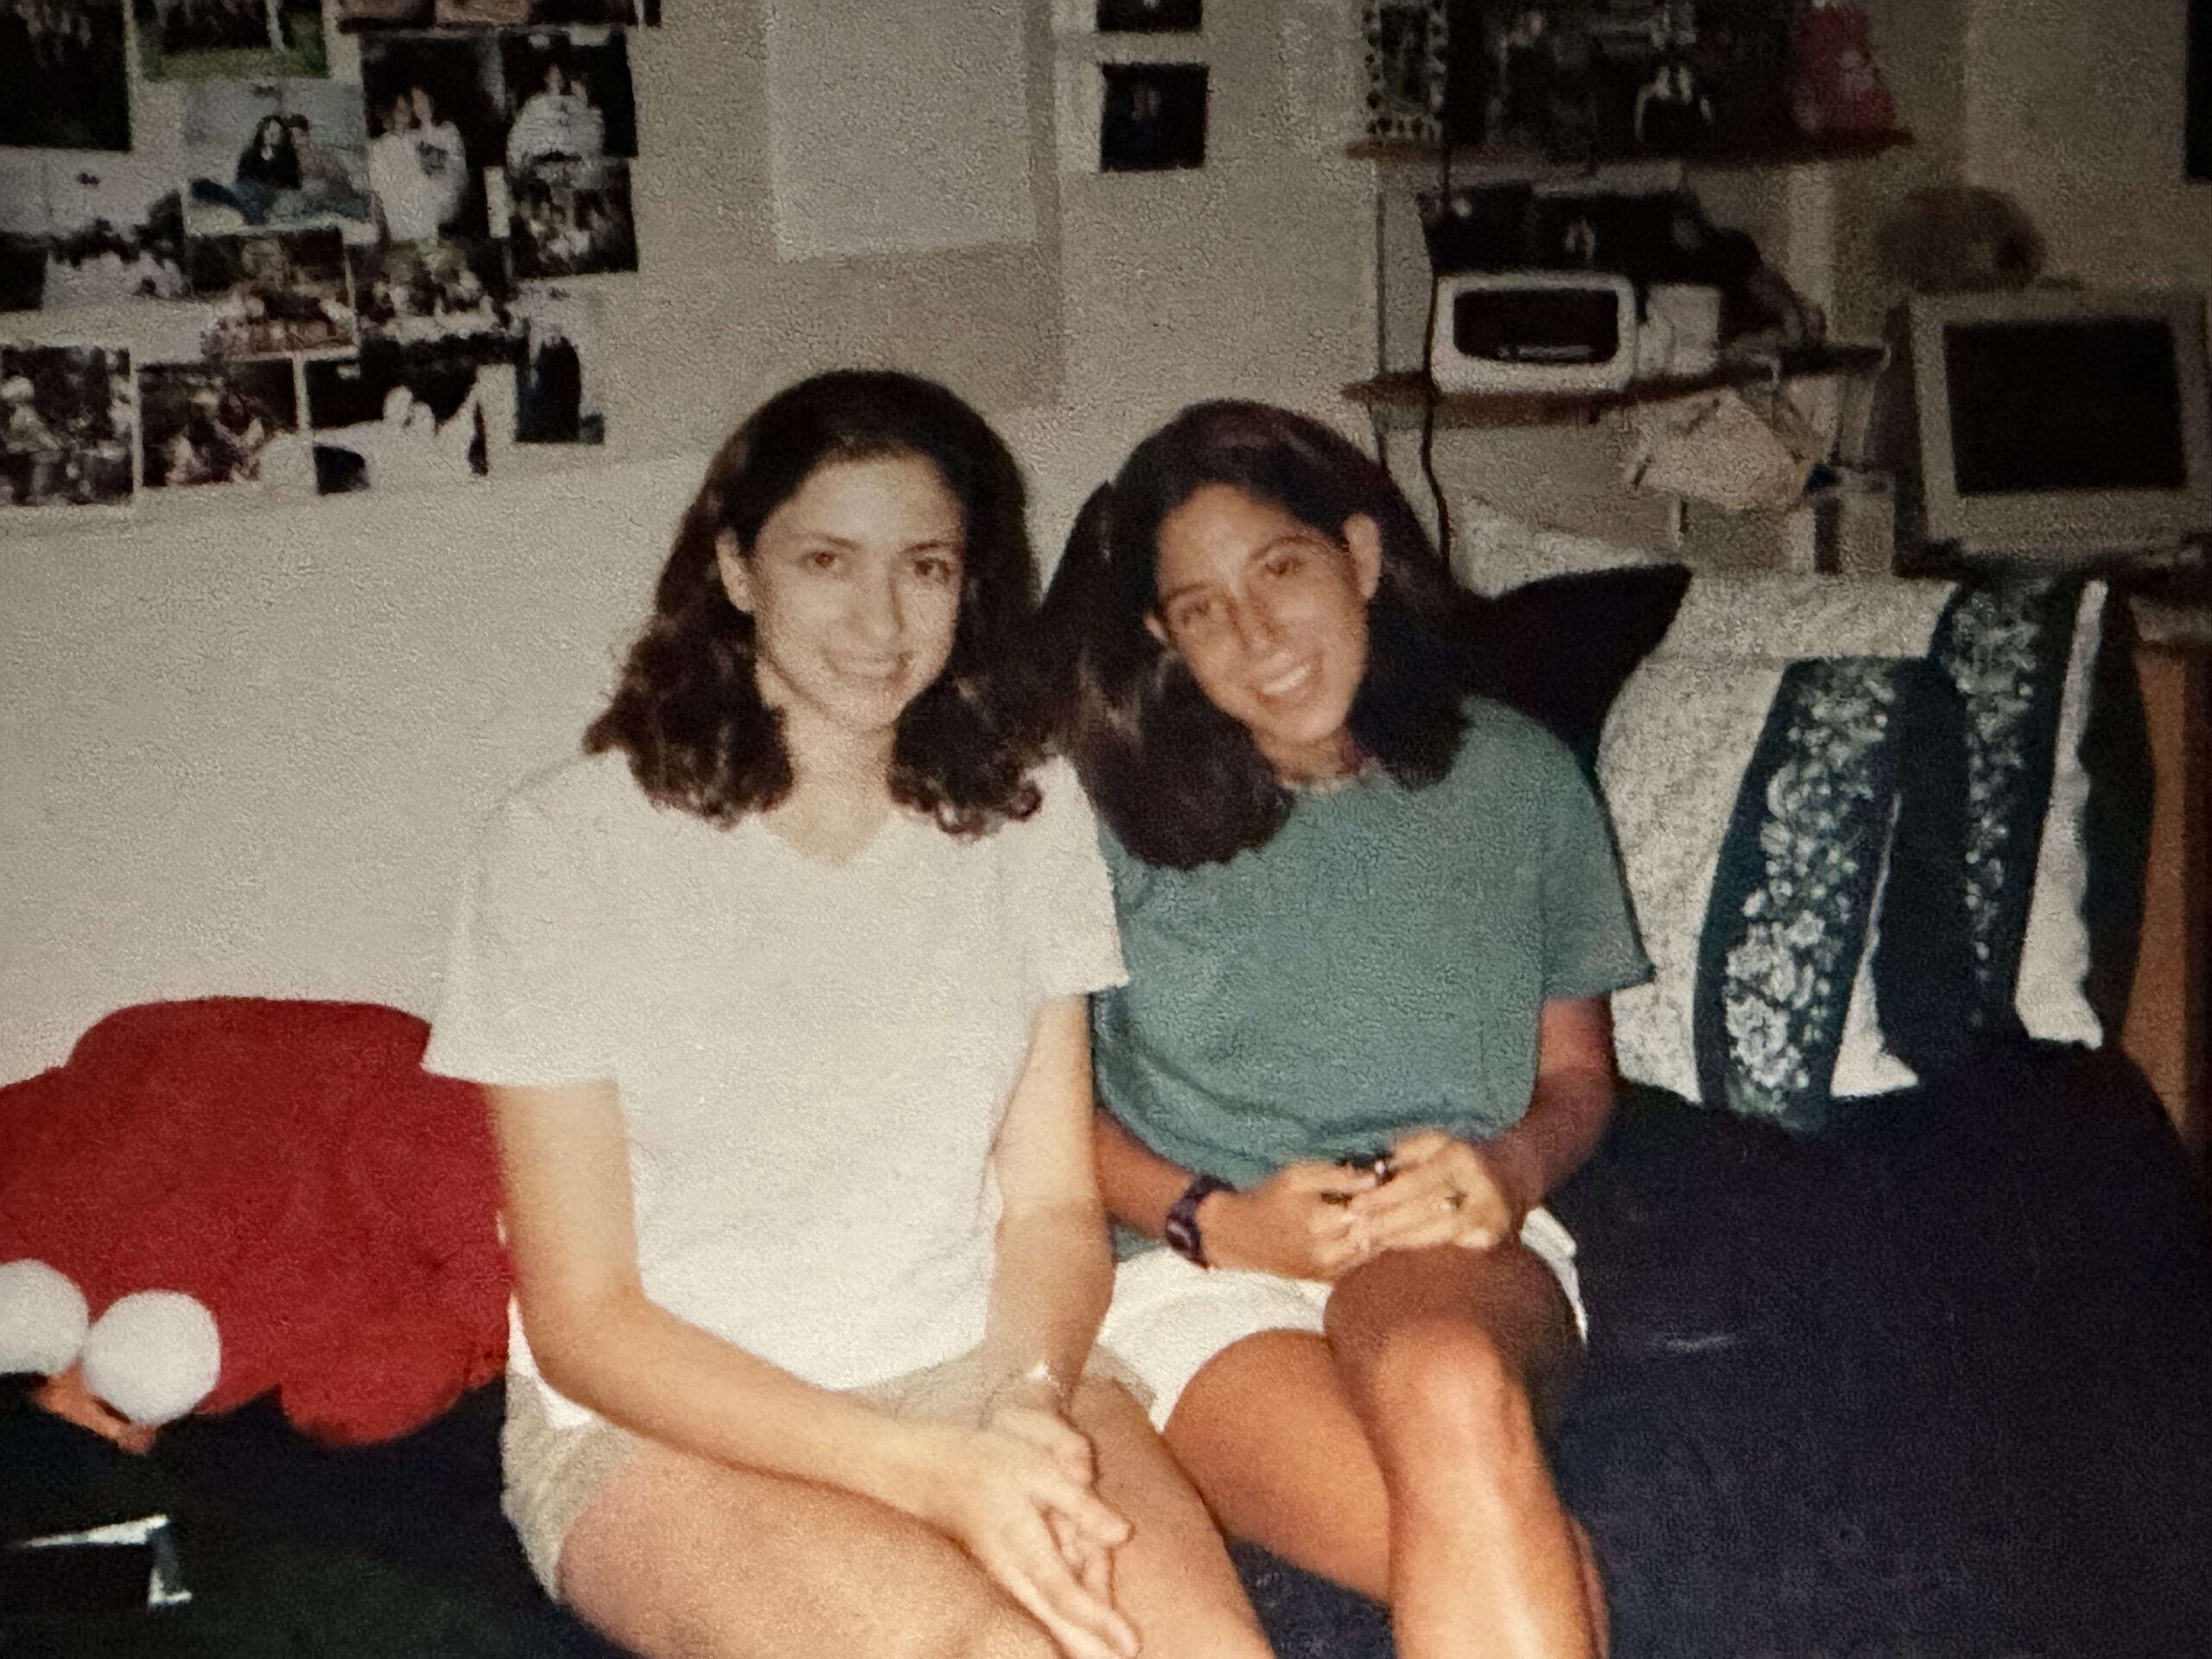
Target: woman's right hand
x: 1296, y: 1222
x: 1008, y: 1502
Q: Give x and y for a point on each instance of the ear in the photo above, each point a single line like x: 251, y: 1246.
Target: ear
x: 737, y: 578
x: 1158, y: 630
x: 1364, y: 540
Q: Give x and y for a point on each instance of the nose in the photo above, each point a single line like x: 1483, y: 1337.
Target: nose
x: 1257, y: 627
x: 877, y: 612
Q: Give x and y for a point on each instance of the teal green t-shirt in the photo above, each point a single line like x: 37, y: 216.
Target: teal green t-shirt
x: 1378, y: 965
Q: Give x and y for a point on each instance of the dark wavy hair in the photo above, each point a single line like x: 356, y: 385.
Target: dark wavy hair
x: 688, y: 711
x: 1180, y: 782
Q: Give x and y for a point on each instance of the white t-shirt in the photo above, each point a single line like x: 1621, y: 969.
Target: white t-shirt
x: 812, y: 1059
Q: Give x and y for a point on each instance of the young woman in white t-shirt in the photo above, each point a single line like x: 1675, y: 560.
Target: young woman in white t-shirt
x: 778, y: 997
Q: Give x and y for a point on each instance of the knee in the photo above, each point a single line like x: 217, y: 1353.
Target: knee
x: 1444, y: 1383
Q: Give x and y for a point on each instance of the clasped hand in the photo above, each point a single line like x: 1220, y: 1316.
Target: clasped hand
x: 1320, y: 1220
x: 1018, y: 1494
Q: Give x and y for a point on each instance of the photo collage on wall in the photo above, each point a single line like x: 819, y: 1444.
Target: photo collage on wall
x: 305, y: 246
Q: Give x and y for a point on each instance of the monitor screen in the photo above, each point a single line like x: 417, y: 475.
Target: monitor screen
x: 2062, y: 424
x: 2089, y: 404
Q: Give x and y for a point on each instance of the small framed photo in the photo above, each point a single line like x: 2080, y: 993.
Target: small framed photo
x: 1151, y: 17
x: 1405, y: 53
x: 1151, y: 117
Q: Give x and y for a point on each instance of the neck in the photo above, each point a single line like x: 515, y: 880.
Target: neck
x: 841, y: 787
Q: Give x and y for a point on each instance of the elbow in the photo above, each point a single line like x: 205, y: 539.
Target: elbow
x: 571, y: 1337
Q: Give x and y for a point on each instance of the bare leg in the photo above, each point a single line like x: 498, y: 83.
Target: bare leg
x: 677, y: 1556
x: 1281, y: 1433
x: 1173, y: 1579
x: 1444, y: 1350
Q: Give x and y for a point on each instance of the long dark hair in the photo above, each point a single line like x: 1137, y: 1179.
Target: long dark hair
x: 688, y: 711
x: 1180, y: 782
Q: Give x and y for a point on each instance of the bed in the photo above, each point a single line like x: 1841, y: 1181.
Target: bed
x: 1901, y: 1279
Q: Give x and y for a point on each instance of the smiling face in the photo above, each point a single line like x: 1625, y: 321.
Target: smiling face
x: 854, y: 588
x: 1270, y: 615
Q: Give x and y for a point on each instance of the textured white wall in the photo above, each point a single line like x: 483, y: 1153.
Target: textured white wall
x: 244, y: 752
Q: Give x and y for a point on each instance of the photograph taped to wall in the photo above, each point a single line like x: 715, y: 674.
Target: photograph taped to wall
x: 1151, y: 17
x: 284, y: 154
x: 66, y: 423
x: 218, y: 424
x: 572, y: 218
x: 1405, y: 55
x: 1151, y: 117
x: 273, y: 293
x: 396, y: 418
x: 453, y: 294
x: 438, y: 105
x: 181, y: 39
x: 355, y: 14
x: 25, y: 228
x: 117, y: 233
x: 557, y: 380
x: 571, y: 96
x: 64, y: 81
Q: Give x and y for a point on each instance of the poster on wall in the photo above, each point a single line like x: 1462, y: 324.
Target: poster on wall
x: 208, y: 423
x: 396, y: 417
x: 2198, y: 140
x: 181, y: 39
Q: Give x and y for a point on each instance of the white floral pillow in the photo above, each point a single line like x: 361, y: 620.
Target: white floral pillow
x: 1754, y: 801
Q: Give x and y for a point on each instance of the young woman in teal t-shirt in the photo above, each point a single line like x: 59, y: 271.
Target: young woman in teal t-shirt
x: 1370, y: 926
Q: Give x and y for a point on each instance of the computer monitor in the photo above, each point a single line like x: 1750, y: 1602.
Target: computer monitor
x: 2063, y: 425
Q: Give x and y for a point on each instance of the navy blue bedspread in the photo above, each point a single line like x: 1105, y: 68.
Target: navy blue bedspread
x: 1937, y: 1385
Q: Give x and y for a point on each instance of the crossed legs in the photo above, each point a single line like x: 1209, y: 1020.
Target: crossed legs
x: 1398, y: 1454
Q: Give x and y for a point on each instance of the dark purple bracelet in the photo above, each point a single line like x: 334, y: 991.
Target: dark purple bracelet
x: 1180, y: 1230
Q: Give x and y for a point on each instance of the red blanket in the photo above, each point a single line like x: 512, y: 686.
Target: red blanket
x: 291, y: 1165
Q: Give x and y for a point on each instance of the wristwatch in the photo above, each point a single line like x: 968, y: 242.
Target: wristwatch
x: 1181, y: 1228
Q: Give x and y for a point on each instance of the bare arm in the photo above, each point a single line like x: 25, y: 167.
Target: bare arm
x: 1295, y: 1223
x: 1054, y: 1272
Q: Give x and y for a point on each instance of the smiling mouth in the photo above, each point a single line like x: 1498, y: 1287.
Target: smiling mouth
x: 1289, y: 684
x: 882, y: 671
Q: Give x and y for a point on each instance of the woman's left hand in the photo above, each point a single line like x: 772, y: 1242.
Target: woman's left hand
x: 1034, y: 1415
x: 1442, y: 1191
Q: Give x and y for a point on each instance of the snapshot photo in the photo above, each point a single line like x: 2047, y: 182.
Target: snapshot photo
x: 218, y: 423
x: 509, y: 14
x: 117, y: 233
x: 416, y: 294
x: 284, y: 154
x: 571, y: 96
x: 182, y: 40
x: 557, y: 380
x: 22, y: 231
x: 437, y: 109
x: 65, y: 426
x: 63, y: 75
x: 396, y: 418
x: 1152, y: 117
x: 273, y: 293
x: 353, y: 15
x: 1151, y: 17
x: 571, y: 218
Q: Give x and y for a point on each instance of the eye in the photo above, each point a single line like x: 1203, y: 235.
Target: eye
x: 939, y: 568
x: 1199, y: 612
x: 1288, y: 560
x: 823, y: 558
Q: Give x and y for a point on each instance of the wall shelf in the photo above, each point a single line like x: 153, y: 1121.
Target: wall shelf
x: 1792, y: 152
x: 1398, y: 398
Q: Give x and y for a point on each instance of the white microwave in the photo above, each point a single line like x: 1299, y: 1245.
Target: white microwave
x: 1533, y: 331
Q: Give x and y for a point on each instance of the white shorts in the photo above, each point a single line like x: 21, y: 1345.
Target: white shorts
x: 1169, y: 1316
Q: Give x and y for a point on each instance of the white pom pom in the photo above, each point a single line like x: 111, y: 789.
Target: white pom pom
x: 42, y: 1319
x: 153, y: 1356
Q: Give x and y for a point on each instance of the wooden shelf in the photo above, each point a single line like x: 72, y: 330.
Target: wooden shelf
x: 1400, y: 398
x: 1793, y: 152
